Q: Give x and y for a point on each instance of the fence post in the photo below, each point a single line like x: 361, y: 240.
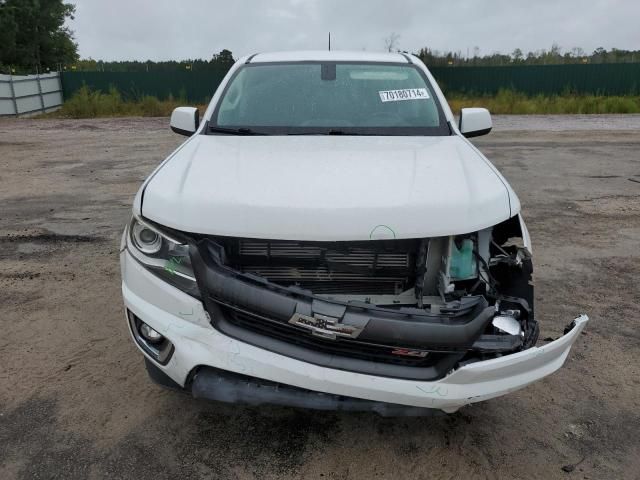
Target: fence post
x: 13, y: 93
x: 40, y: 93
x: 60, y: 85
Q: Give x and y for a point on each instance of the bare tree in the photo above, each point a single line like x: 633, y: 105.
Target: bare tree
x: 391, y: 42
x: 577, y: 52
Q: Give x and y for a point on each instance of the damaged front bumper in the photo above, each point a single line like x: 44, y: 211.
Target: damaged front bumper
x: 184, y: 321
x: 470, y: 384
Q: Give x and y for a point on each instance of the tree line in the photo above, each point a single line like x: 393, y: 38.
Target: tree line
x: 432, y: 58
x: 221, y: 61
x: 554, y: 56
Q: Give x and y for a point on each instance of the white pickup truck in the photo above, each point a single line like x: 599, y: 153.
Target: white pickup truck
x: 328, y: 238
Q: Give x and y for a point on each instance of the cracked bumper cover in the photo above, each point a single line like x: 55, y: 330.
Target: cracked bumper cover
x: 183, y: 320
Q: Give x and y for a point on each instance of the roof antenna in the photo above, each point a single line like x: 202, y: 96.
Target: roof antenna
x: 329, y: 41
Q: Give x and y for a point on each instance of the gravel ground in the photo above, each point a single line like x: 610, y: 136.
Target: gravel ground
x: 75, y: 401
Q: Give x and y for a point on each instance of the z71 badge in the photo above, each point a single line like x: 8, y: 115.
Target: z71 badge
x: 325, y: 326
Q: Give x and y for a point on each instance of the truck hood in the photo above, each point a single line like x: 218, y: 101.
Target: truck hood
x: 326, y: 187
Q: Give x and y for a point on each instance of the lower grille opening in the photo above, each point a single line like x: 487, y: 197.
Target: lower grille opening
x: 339, y: 347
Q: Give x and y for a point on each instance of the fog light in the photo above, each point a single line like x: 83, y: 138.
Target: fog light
x: 149, y: 334
x: 152, y: 342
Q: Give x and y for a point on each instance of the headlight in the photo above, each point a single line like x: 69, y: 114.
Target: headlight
x: 148, y: 241
x: 162, y: 254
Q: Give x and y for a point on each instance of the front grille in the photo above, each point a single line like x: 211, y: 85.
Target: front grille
x: 342, y: 347
x: 363, y: 267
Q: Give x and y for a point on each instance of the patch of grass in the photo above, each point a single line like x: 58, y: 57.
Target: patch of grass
x: 511, y: 102
x: 87, y: 103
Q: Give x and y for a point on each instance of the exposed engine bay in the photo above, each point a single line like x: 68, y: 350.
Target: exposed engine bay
x: 411, y: 302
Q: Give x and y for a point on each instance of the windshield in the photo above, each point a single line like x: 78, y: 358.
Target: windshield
x: 329, y: 98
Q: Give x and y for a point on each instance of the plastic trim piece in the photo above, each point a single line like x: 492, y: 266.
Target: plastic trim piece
x: 219, y: 385
x: 477, y: 133
x: 378, y: 369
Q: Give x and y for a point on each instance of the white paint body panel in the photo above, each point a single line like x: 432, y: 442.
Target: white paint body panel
x: 182, y: 320
x: 326, y: 187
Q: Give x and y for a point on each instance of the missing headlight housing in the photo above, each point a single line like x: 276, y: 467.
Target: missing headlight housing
x: 162, y: 253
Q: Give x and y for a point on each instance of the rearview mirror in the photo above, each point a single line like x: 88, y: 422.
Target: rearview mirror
x: 185, y: 120
x: 475, y: 122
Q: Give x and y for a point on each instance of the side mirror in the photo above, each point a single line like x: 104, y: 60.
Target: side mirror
x: 185, y: 120
x: 475, y: 122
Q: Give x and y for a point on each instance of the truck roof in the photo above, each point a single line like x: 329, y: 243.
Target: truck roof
x: 328, y: 56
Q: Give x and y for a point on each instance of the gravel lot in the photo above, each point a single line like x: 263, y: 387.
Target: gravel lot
x: 75, y: 401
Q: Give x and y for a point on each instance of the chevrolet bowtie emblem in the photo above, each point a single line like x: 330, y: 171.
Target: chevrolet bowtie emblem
x: 325, y: 326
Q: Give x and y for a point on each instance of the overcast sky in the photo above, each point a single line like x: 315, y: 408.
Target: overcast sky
x: 174, y: 30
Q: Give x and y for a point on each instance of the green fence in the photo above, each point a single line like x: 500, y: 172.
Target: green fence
x: 193, y: 86
x: 198, y: 86
x: 605, y: 79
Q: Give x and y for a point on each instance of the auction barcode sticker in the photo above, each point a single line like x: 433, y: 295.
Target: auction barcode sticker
x: 404, y: 94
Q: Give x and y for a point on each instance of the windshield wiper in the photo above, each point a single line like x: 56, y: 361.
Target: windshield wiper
x: 332, y: 131
x: 337, y: 131
x: 234, y: 131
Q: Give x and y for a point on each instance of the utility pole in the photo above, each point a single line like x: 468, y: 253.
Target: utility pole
x: 329, y: 41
